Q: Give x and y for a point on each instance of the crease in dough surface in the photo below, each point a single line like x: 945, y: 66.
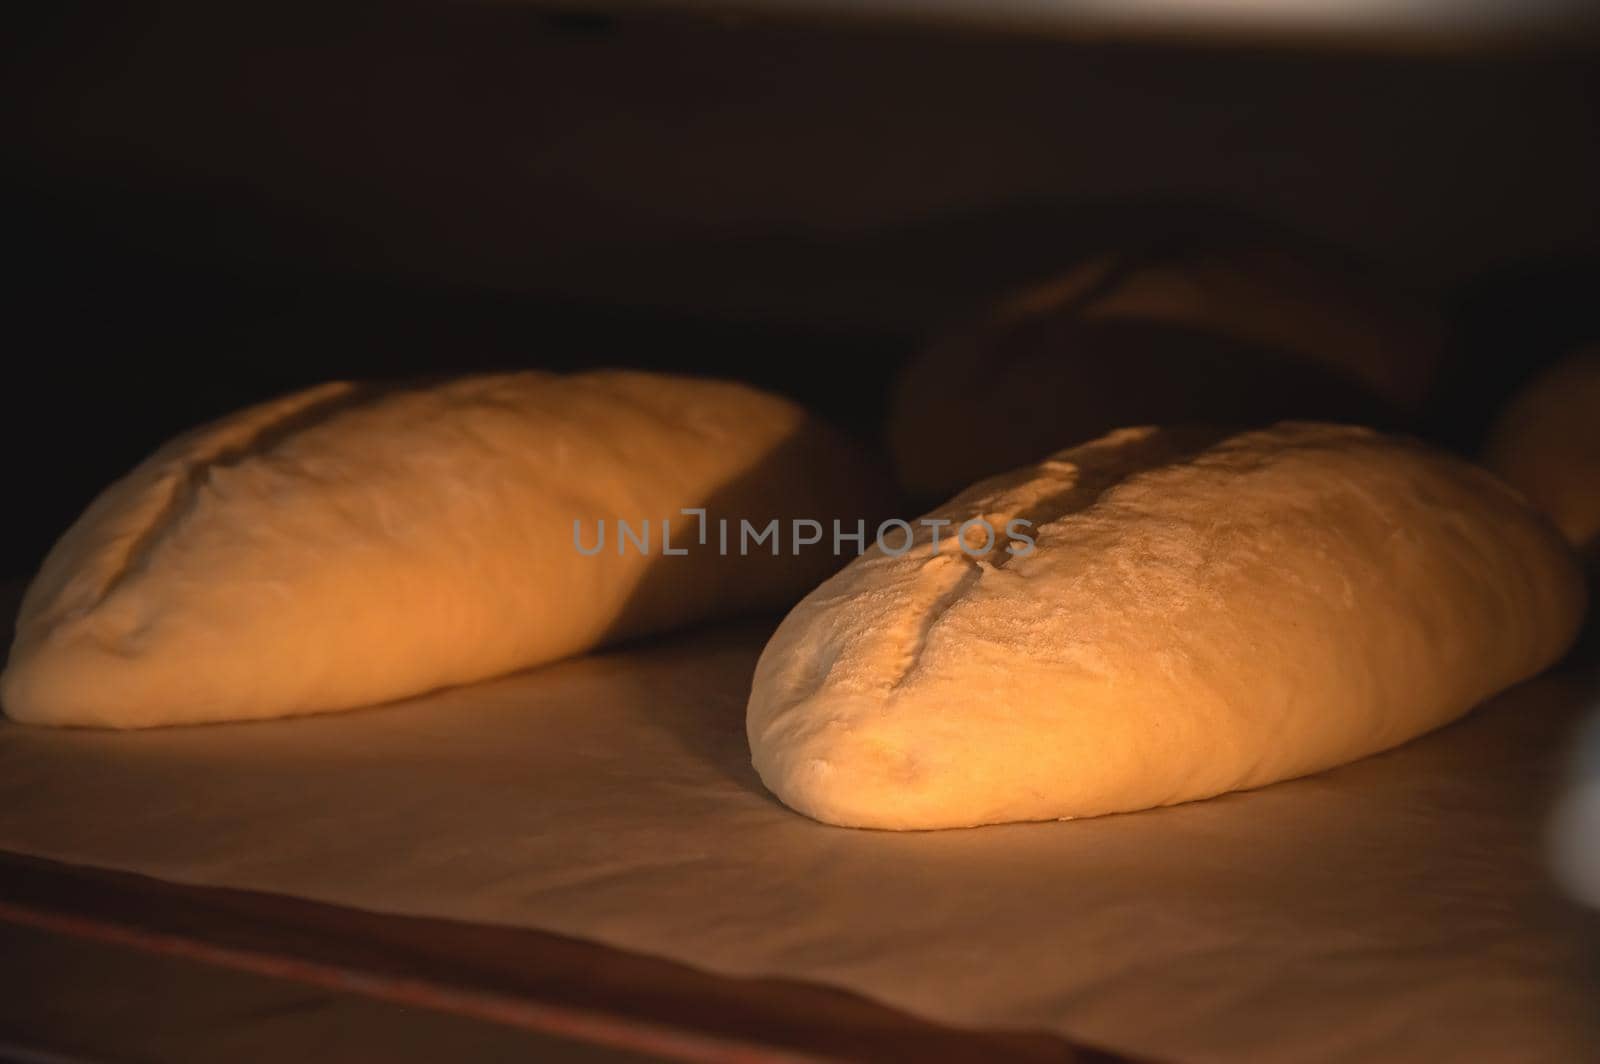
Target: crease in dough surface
x: 350, y: 545
x: 1200, y: 613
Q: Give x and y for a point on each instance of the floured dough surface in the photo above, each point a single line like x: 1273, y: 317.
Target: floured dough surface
x: 1242, y: 336
x: 1547, y: 444
x: 346, y: 546
x: 1198, y: 614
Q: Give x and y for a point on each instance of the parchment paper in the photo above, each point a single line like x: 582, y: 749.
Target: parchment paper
x: 1396, y: 909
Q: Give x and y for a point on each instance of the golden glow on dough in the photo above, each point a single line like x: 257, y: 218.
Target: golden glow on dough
x: 1202, y: 614
x: 343, y: 546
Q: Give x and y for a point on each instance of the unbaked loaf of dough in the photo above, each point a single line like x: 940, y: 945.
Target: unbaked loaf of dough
x: 346, y: 545
x: 1197, y: 614
x: 1242, y: 336
x: 1547, y: 443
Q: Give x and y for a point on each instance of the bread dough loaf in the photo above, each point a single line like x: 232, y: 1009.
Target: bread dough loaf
x: 1547, y: 444
x: 347, y: 545
x: 1242, y: 336
x: 1197, y: 616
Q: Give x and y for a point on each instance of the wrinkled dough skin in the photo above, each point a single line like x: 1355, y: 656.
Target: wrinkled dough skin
x: 1200, y: 615
x: 347, y: 546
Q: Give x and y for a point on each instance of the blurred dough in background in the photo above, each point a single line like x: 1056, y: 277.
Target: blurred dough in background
x: 1238, y: 336
x: 1546, y: 442
x: 347, y: 545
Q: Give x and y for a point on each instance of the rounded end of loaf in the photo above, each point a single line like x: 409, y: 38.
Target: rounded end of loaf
x: 66, y: 684
x: 844, y: 760
x: 837, y: 774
